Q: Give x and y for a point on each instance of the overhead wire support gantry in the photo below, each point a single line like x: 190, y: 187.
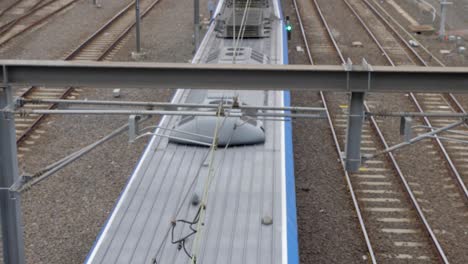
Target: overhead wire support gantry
x: 360, y: 78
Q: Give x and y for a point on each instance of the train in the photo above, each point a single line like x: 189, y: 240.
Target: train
x: 187, y: 202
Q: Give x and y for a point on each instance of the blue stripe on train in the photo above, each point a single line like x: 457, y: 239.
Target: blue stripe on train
x: 292, y: 238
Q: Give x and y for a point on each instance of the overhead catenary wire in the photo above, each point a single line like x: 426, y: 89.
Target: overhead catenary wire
x: 241, y: 30
x: 211, y: 173
x: 205, y: 191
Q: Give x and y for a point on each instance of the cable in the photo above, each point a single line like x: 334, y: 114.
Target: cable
x: 241, y: 30
x: 58, y: 165
x: 170, y: 230
x: 211, y: 174
x: 181, y: 242
x: 184, y: 199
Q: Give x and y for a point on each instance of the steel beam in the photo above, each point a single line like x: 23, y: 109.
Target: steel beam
x: 238, y: 77
x: 354, y: 132
x: 12, y: 231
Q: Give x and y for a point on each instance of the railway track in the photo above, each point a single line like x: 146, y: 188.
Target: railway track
x: 439, y: 103
x: 21, y: 5
x: 99, y: 46
x: 393, y: 221
x: 28, y: 14
x: 422, y: 102
x: 446, y: 184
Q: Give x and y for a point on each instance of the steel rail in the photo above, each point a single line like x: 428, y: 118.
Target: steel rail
x: 6, y: 26
x: 330, y: 35
x: 428, y: 228
x: 368, y: 30
x: 125, y: 32
x: 333, y: 131
x: 81, y: 47
x: 399, y: 38
x: 39, y: 21
x: 458, y: 178
x: 402, y: 178
x: 8, y: 8
x: 100, y: 31
x: 409, y: 35
x: 36, y: 122
x: 422, y: 217
x: 428, y: 123
x: 27, y: 92
x: 301, y: 26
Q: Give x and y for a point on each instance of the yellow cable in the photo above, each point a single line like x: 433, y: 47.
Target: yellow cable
x: 201, y: 219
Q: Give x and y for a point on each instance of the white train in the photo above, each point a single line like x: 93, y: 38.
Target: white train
x: 182, y: 205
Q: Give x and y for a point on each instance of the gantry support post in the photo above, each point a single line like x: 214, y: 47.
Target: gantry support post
x: 12, y: 231
x: 196, y: 24
x: 443, y: 17
x: 354, y: 132
x: 137, y: 27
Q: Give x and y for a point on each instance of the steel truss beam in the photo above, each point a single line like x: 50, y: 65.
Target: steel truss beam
x: 347, y: 78
x: 239, y: 77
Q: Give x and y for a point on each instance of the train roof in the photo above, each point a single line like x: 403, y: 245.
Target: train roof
x: 249, y: 213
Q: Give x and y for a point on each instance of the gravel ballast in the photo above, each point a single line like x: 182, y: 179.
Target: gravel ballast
x: 64, y: 214
x: 61, y: 33
x: 327, y: 223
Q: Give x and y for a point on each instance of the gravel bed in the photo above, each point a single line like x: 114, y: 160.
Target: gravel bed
x: 320, y: 45
x: 426, y: 166
x: 463, y: 99
x: 63, y: 32
x: 6, y: 3
x: 63, y: 215
x: 383, y: 242
x: 431, y: 41
x: 346, y: 29
x: 163, y: 37
x: 327, y: 223
x: 427, y: 172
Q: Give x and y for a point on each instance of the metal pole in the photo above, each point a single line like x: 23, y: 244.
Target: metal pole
x: 196, y: 22
x: 227, y: 113
x: 137, y: 27
x: 443, y: 14
x: 12, y: 231
x: 172, y: 105
x: 354, y: 133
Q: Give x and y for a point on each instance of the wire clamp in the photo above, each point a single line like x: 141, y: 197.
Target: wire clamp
x: 19, y: 102
x: 366, y: 66
x: 19, y: 184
